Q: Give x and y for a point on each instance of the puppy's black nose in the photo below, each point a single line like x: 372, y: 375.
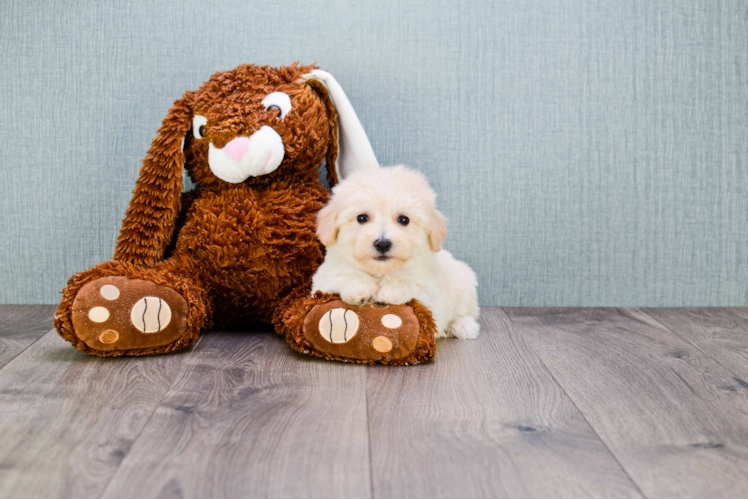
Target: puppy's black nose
x: 383, y: 245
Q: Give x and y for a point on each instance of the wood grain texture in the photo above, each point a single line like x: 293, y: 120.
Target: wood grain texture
x: 21, y: 326
x: 485, y: 419
x: 722, y: 333
x: 68, y: 419
x: 248, y: 417
x: 675, y: 418
x: 534, y: 407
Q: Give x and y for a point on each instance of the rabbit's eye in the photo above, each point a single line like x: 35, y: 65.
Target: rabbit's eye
x: 279, y: 101
x: 198, y: 126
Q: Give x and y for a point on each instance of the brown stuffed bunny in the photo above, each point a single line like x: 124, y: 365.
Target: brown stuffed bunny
x: 241, y: 247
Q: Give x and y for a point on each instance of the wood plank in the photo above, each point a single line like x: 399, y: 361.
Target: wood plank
x: 676, y: 420
x: 485, y: 419
x: 68, y: 419
x: 720, y: 332
x: 21, y: 326
x: 248, y: 417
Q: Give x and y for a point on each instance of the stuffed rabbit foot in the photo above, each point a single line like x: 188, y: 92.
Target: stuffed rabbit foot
x: 327, y: 327
x: 119, y: 309
x: 116, y: 313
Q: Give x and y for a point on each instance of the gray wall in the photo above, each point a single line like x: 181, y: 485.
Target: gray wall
x: 586, y: 152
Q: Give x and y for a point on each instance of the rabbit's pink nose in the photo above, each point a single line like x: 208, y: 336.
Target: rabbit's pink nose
x: 237, y: 148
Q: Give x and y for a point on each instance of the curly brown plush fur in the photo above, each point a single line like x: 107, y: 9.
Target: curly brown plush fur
x: 235, y: 253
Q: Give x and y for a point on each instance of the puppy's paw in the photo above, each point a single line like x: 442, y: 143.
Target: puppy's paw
x: 394, y: 295
x: 465, y: 328
x: 358, y: 294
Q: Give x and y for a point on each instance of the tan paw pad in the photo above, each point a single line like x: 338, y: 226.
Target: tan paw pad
x: 338, y: 325
x: 150, y: 314
x: 382, y: 344
x: 109, y: 292
x: 98, y: 314
x: 108, y: 337
x: 391, y: 321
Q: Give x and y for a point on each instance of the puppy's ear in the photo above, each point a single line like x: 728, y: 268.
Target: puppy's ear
x: 437, y: 230
x: 149, y: 221
x: 327, y: 231
x: 354, y: 151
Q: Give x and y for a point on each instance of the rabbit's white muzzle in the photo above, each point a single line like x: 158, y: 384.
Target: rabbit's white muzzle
x: 243, y: 157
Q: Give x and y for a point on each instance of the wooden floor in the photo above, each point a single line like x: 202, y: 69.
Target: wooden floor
x: 546, y: 403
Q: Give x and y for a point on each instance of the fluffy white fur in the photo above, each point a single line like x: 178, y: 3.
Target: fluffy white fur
x: 414, y: 267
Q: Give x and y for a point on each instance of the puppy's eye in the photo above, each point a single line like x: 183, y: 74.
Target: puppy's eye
x: 403, y: 220
x: 198, y: 126
x: 279, y: 101
x: 362, y: 219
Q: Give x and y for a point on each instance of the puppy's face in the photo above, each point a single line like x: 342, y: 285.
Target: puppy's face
x: 381, y: 220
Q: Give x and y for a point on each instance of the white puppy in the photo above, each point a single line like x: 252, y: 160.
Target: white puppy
x: 383, y: 235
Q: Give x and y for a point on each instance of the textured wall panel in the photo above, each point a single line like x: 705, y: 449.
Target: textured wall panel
x: 587, y: 152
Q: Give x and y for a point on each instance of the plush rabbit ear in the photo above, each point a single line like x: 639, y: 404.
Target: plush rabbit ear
x: 149, y: 221
x: 354, y: 149
x: 332, y: 121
